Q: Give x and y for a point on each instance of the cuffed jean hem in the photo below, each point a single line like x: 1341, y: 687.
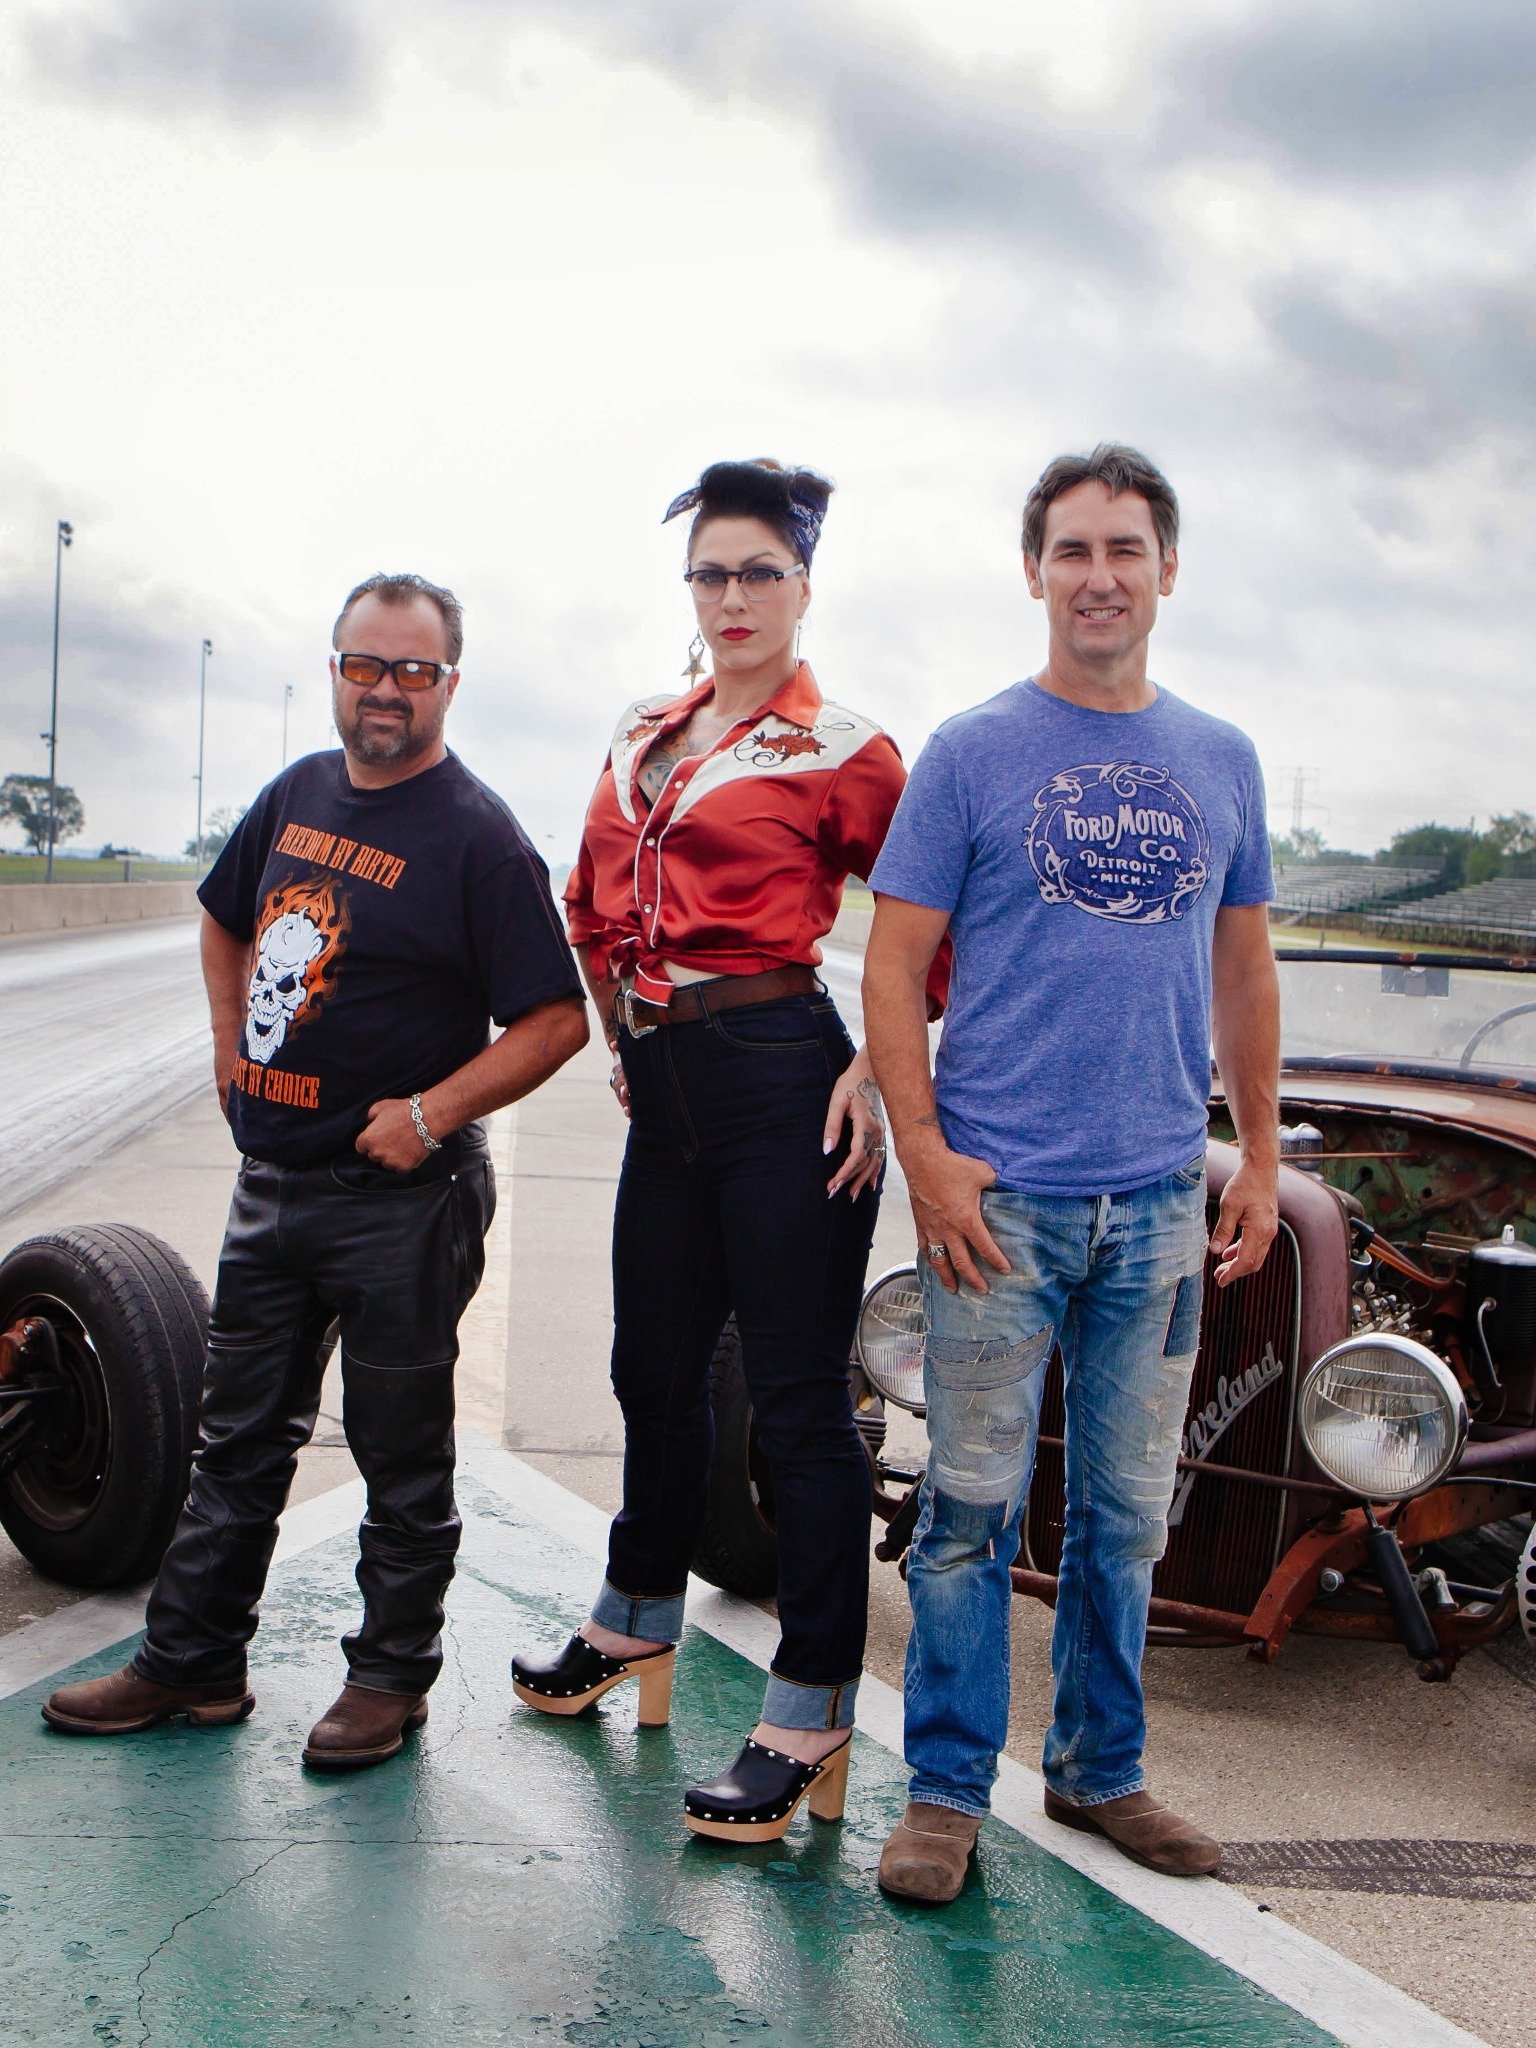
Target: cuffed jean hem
x: 808, y: 1708
x: 1137, y: 1784
x: 657, y: 1620
x: 922, y: 1795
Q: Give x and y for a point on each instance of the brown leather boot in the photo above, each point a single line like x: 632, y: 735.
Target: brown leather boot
x: 362, y: 1727
x: 1145, y: 1830
x: 927, y: 1853
x: 125, y: 1703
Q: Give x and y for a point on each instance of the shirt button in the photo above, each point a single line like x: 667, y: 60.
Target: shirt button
x: 648, y: 906
x: 650, y: 842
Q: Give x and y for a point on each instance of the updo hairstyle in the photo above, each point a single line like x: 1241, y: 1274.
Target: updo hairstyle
x: 793, y: 502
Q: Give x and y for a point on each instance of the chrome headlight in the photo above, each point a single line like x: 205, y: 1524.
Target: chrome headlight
x: 1382, y: 1417
x: 889, y: 1341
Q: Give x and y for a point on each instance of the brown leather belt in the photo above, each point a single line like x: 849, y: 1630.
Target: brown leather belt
x: 693, y: 1001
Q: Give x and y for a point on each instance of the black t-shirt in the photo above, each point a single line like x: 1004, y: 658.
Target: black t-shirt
x: 390, y: 925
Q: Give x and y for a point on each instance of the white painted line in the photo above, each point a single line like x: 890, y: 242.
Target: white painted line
x: 318, y: 1520
x: 46, y: 1646
x: 95, y: 1624
x: 1347, y: 2001
x: 1337, y: 1995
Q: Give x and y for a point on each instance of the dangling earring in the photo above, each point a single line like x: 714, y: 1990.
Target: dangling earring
x: 695, y: 667
x: 799, y: 623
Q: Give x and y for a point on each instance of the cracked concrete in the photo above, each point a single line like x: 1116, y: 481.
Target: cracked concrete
x: 515, y: 1879
x: 141, y: 1981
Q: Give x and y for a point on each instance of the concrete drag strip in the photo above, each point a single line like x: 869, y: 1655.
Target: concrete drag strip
x: 100, y: 1034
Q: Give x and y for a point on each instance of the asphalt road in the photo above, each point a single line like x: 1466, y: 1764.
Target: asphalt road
x: 101, y: 1032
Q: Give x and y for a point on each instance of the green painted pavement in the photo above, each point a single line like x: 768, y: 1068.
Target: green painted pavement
x: 514, y: 1878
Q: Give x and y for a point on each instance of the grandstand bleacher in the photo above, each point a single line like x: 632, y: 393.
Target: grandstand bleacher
x: 1503, y: 908
x: 1318, y: 888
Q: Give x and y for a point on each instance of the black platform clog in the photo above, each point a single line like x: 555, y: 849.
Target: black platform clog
x: 581, y: 1674
x: 755, y: 1800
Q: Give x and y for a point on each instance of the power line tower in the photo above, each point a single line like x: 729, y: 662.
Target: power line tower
x: 1304, y: 783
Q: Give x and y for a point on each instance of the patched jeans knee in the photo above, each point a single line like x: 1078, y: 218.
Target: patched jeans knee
x: 983, y: 1404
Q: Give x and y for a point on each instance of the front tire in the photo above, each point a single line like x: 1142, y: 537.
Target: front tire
x: 95, y: 1493
x: 739, y: 1547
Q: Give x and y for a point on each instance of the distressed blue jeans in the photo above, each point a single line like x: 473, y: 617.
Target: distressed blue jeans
x: 1115, y: 1281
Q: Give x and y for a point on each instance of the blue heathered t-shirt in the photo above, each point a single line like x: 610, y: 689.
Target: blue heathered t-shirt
x: 1082, y: 856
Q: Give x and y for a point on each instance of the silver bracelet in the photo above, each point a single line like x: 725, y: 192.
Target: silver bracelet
x: 420, y: 1122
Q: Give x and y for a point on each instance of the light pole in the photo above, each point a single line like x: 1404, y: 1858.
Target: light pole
x: 287, y: 700
x: 64, y: 538
x: 202, y: 705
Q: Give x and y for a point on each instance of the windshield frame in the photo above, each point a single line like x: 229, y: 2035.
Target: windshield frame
x: 1490, y: 1078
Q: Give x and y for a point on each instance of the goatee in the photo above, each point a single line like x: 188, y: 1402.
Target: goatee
x: 376, y: 745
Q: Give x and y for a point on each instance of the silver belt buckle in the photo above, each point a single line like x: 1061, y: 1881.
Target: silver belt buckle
x: 627, y: 1005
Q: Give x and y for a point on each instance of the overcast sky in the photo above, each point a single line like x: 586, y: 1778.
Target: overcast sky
x: 295, y: 290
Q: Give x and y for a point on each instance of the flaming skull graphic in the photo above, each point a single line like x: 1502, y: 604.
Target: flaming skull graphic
x: 300, y: 937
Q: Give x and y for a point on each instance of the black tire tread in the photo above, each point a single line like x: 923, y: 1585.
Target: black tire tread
x: 737, y: 1550
x: 147, y: 1315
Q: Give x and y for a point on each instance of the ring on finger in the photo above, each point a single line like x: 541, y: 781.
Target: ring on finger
x: 938, y: 1253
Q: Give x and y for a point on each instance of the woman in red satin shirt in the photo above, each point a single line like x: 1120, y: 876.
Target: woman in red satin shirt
x: 717, y: 843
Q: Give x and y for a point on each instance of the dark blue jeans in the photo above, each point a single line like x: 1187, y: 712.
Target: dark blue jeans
x: 723, y: 1205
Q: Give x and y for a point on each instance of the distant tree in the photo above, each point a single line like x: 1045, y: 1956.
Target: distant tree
x: 1514, y: 835
x: 1306, y: 844
x: 217, y: 827
x: 24, y: 800
x: 1449, y: 845
x: 1483, y: 861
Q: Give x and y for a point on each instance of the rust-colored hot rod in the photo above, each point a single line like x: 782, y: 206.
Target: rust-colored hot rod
x: 1359, y: 1456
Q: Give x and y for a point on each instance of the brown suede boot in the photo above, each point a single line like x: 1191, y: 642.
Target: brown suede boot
x: 1145, y: 1830
x: 125, y: 1703
x: 927, y: 1853
x: 362, y: 1727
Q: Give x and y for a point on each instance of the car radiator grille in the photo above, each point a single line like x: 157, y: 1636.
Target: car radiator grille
x: 1224, y: 1536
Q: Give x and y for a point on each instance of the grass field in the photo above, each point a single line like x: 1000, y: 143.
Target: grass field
x: 28, y: 867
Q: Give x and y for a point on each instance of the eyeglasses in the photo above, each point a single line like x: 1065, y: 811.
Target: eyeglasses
x: 368, y: 669
x: 756, y: 583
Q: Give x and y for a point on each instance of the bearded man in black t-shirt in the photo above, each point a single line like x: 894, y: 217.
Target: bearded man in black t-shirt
x: 372, y: 913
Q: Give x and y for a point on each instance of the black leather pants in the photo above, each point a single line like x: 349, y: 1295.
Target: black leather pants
x: 396, y: 1258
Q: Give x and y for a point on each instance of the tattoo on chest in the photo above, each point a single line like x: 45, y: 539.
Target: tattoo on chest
x: 658, y: 765
x: 695, y: 738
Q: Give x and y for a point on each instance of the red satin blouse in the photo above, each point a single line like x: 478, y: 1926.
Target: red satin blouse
x: 740, y: 865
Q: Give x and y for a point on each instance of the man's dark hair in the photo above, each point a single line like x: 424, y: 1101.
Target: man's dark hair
x: 405, y: 590
x: 1118, y: 468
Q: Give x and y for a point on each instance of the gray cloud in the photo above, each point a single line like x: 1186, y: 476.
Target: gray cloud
x: 251, y: 59
x: 1378, y: 90
x: 1407, y: 383
x: 919, y: 145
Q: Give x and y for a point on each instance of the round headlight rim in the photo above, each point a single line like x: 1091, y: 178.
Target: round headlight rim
x: 1440, y: 1373
x: 907, y: 1270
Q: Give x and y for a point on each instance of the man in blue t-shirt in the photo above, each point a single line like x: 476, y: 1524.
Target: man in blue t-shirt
x: 1098, y: 851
